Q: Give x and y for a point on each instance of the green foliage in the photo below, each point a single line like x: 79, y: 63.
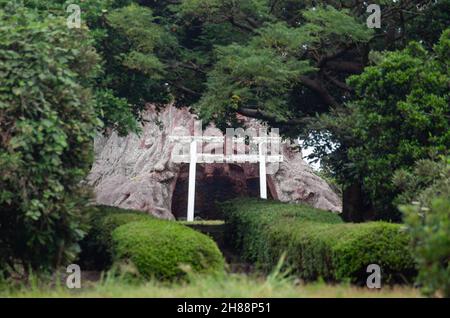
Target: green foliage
x: 157, y: 248
x: 164, y: 51
x: 428, y: 26
x: 143, y: 35
x: 227, y: 285
x: 262, y: 74
x: 317, y: 244
x: 429, y: 228
x: 428, y: 220
x: 426, y: 179
x: 48, y: 120
x: 166, y: 250
x: 219, y: 10
x: 330, y: 25
x: 279, y: 61
x: 115, y: 113
x: 97, y: 247
x: 302, y: 52
x: 248, y: 77
x: 400, y: 115
x: 133, y: 52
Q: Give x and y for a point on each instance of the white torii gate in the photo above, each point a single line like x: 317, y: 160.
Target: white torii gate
x: 193, y: 158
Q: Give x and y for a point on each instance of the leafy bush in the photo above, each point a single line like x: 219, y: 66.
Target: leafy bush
x: 160, y: 249
x: 115, y: 113
x: 430, y: 231
x: 429, y: 224
x: 48, y: 120
x: 97, y: 246
x: 156, y: 247
x: 317, y: 243
x: 400, y: 114
x: 426, y: 179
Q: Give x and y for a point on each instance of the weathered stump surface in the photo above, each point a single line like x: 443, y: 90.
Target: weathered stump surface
x: 136, y: 171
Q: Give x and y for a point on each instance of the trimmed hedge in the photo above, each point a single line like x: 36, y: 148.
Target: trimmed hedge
x: 158, y: 248
x: 317, y: 243
x: 97, y: 246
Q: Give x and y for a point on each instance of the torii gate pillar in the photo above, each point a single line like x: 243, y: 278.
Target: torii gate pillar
x: 262, y: 172
x: 193, y: 158
x: 192, y: 174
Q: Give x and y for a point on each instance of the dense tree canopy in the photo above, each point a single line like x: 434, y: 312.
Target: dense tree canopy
x: 292, y: 57
x: 400, y: 114
x: 48, y: 119
x: 370, y: 101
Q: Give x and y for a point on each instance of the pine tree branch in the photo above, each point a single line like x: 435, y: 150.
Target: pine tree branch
x: 239, y: 25
x: 345, y: 66
x: 317, y: 87
x: 337, y: 82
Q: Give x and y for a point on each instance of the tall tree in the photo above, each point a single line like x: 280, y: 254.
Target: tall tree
x: 323, y: 44
x: 48, y: 120
x: 400, y: 114
x: 282, y: 61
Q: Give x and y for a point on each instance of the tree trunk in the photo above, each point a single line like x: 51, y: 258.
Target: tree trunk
x: 355, y: 208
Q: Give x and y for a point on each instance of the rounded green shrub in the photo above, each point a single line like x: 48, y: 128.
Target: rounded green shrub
x: 381, y: 243
x: 166, y: 250
x: 97, y: 246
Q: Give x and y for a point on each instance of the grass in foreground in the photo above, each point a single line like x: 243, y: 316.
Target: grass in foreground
x: 224, y: 286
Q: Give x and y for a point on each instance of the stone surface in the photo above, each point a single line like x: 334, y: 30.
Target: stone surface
x: 136, y: 172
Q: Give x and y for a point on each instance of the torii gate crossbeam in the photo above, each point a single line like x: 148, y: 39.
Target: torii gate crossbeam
x: 193, y: 158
